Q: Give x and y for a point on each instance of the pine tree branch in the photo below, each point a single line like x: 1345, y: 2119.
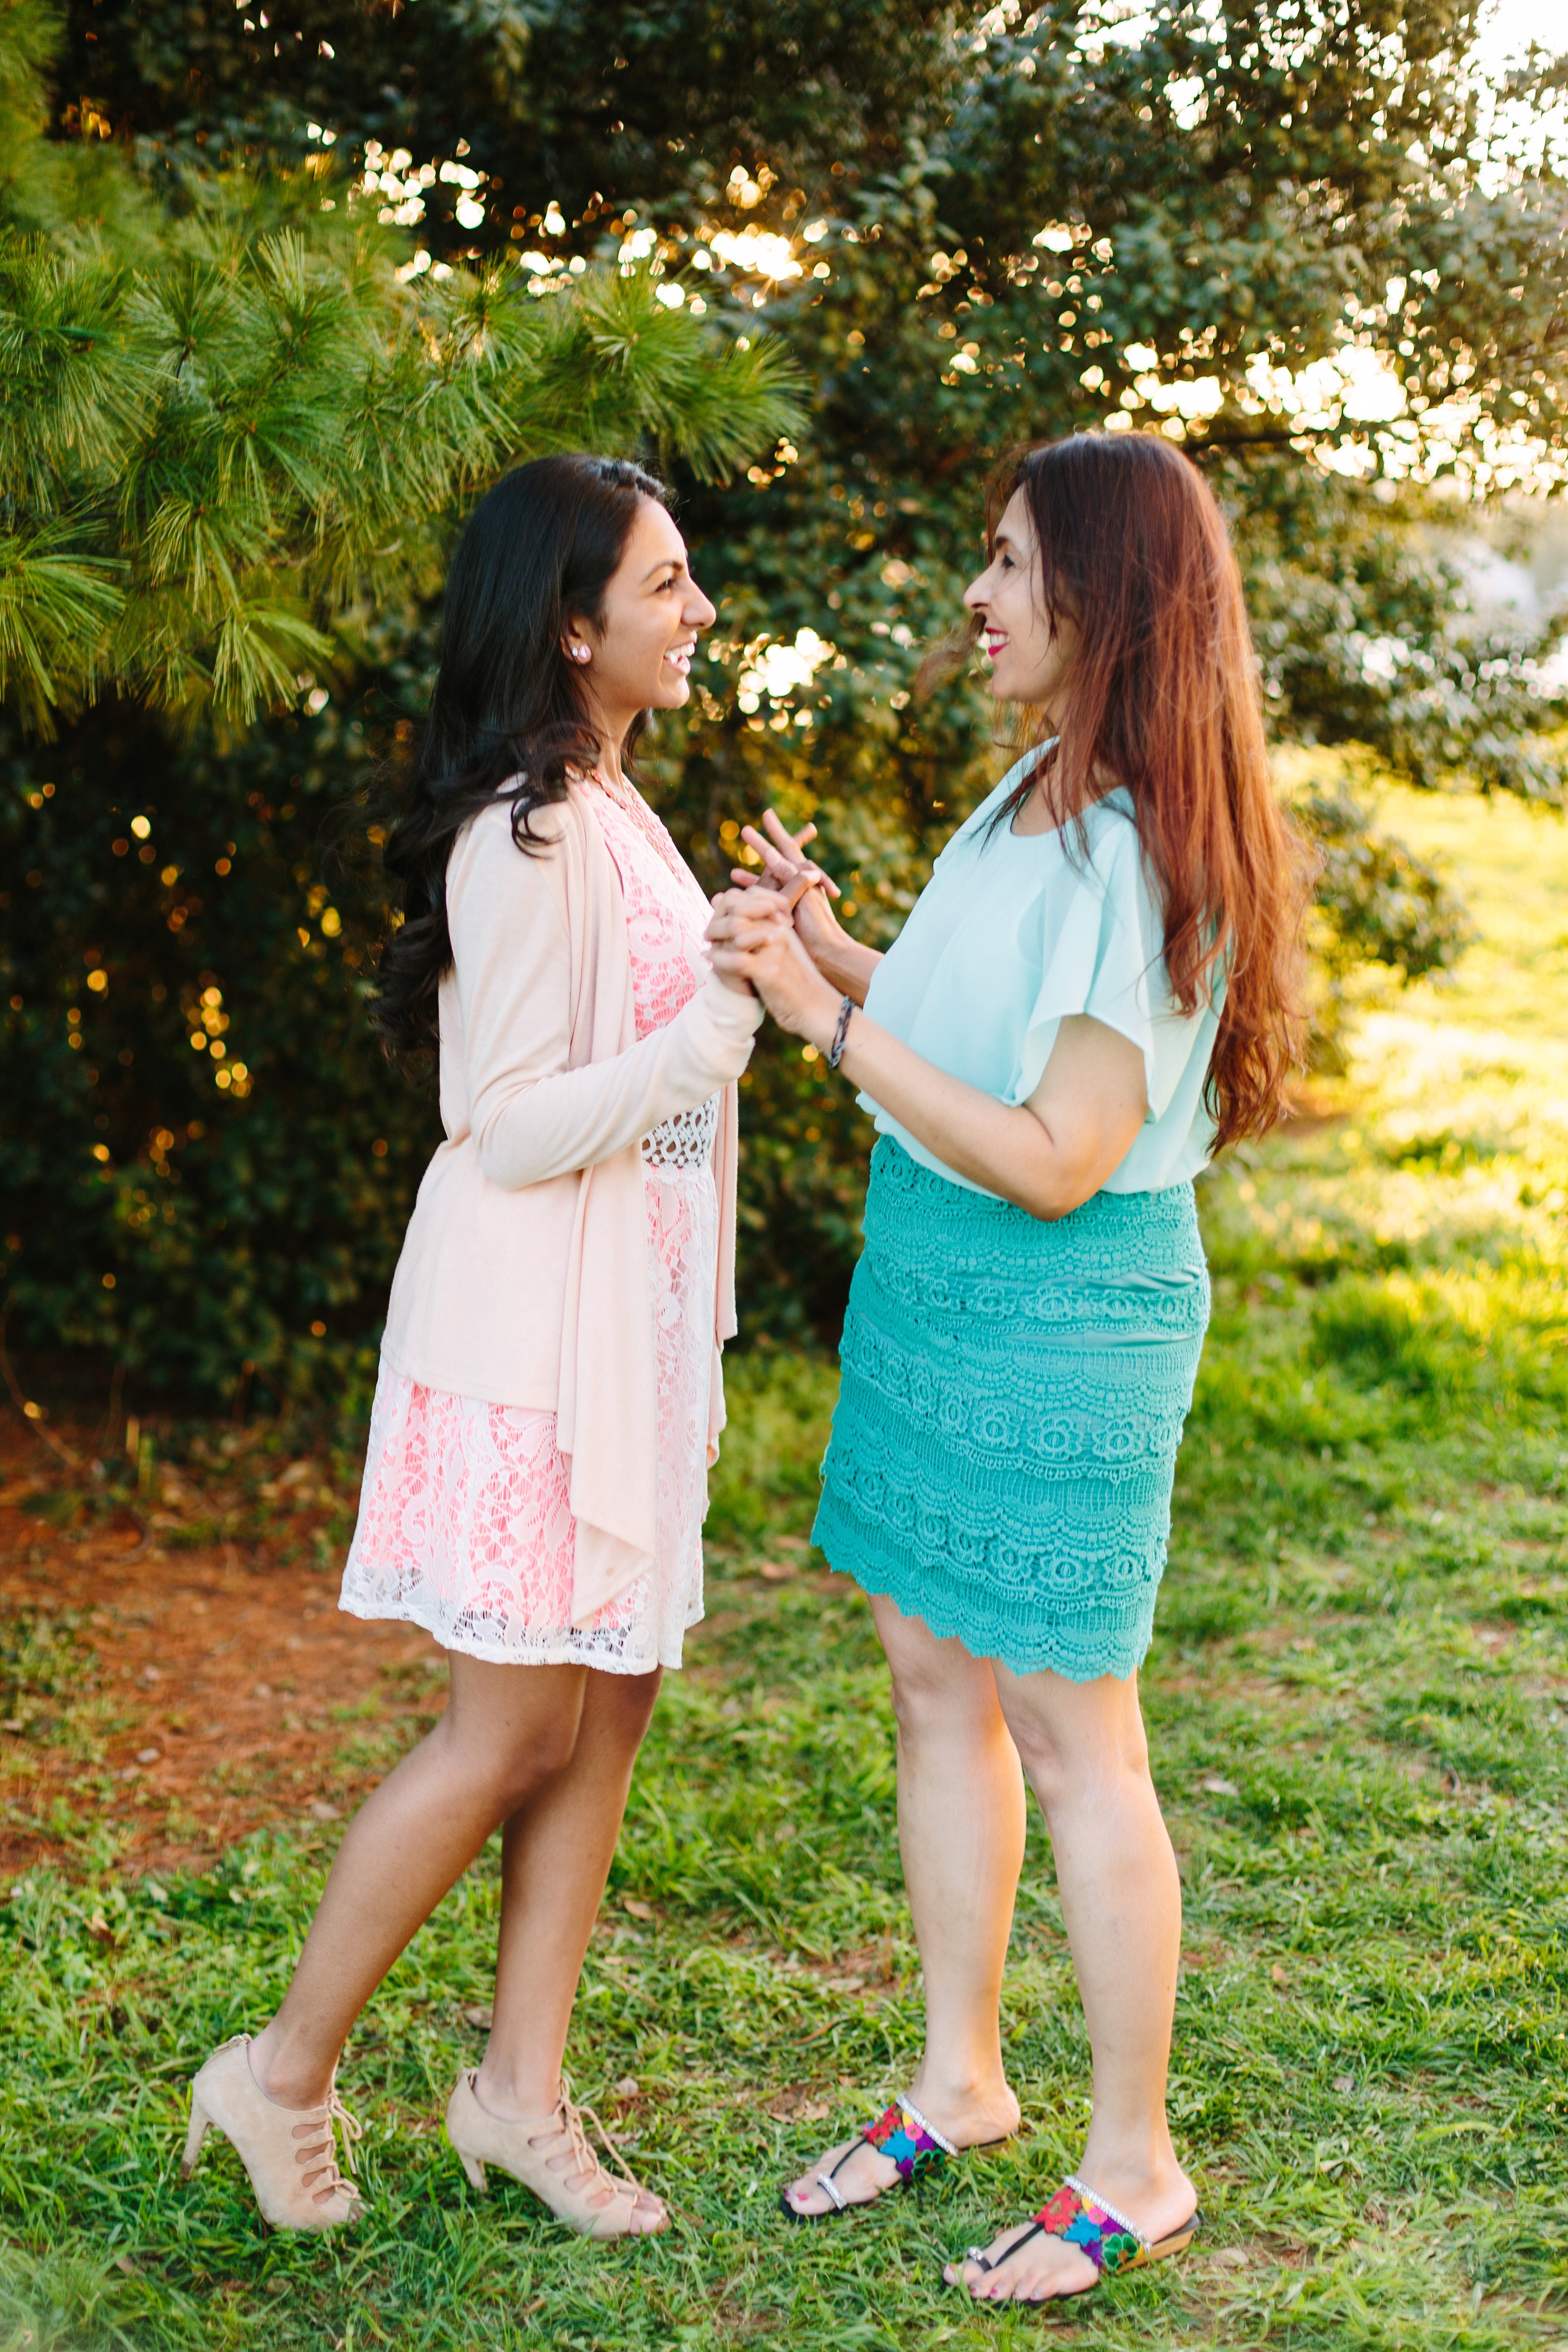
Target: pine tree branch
x: 211, y: 446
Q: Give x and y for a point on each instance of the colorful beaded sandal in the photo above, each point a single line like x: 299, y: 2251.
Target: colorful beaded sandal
x: 1080, y: 2219
x: 904, y: 2137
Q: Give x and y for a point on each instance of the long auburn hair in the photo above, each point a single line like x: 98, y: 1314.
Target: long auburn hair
x: 1163, y: 699
x: 509, y: 717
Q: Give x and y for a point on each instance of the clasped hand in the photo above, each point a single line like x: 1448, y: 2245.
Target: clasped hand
x: 764, y: 932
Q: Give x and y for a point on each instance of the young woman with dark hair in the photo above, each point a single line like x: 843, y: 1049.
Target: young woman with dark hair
x: 549, y: 1395
x: 1097, y: 991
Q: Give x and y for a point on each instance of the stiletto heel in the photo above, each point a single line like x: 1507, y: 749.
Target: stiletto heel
x: 551, y: 2155
x: 289, y: 2153
x: 201, y: 2124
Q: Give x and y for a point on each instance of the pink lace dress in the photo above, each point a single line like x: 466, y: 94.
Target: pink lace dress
x: 464, y: 1524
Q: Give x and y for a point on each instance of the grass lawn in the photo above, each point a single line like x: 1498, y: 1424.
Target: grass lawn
x: 1357, y: 1699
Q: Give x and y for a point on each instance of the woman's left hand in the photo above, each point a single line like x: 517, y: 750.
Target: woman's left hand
x: 783, y: 865
x: 753, y: 937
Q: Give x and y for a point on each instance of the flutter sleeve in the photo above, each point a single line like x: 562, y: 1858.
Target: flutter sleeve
x: 1103, y: 955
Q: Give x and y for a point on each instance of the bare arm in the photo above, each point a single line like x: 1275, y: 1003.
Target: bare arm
x: 844, y: 963
x: 1046, y: 1156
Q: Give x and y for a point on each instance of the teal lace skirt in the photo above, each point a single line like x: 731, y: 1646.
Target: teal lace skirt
x: 1013, y: 1397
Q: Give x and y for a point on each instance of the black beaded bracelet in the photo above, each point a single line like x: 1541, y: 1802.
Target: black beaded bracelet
x: 836, y: 1051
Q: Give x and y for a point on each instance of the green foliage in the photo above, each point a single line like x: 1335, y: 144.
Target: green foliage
x: 1018, y: 227
x: 203, y: 462
x: 213, y: 445
x: 235, y: 1195
x: 1381, y: 903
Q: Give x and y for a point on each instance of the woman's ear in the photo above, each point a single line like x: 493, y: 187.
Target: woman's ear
x: 577, y: 642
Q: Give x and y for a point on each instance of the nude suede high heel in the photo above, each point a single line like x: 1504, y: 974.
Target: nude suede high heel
x: 288, y: 2153
x: 548, y: 2154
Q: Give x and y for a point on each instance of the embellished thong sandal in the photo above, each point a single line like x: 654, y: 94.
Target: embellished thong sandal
x: 1080, y: 2219
x: 904, y: 2137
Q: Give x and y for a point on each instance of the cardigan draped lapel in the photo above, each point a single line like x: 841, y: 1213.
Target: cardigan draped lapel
x: 525, y: 1275
x: 608, y: 1411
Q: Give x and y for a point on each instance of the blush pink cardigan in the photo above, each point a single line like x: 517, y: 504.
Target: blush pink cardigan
x: 524, y: 1278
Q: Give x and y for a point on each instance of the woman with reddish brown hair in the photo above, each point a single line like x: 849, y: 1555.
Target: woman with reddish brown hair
x: 1096, y: 992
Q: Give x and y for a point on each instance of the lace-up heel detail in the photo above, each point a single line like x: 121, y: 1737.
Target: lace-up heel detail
x: 288, y: 2153
x: 550, y: 2154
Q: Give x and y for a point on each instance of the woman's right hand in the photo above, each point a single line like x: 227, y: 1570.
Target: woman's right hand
x: 751, y: 938
x: 808, y: 890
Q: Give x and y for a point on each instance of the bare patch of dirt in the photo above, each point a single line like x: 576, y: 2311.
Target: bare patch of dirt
x: 174, y: 1671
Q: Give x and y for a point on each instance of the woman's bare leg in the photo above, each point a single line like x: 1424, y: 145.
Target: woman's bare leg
x: 961, y: 1833
x: 507, y: 1731
x: 1087, y: 1759
x: 556, y: 1851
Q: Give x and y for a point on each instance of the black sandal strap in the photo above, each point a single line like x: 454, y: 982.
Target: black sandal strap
x: 909, y: 2141
x: 1036, y: 2229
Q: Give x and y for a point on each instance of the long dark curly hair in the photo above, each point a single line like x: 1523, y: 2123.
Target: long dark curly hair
x: 509, y: 716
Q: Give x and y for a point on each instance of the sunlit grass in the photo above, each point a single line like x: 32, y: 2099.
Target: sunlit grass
x: 1511, y: 864
x: 1358, y: 1701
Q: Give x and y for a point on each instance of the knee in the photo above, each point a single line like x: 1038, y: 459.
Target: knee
x: 1079, y: 1765
x: 520, y: 1774
x: 623, y: 1705
x: 930, y: 1705
x: 515, y: 1769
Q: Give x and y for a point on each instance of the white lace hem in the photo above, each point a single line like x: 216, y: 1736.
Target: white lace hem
x: 630, y: 1649
x: 465, y: 1525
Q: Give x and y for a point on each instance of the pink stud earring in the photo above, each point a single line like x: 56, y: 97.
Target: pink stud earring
x: 579, y: 652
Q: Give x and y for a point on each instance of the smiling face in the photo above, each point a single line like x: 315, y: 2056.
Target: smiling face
x: 638, y: 654
x: 1030, y: 659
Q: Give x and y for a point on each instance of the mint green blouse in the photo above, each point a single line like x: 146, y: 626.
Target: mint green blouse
x: 1013, y: 933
